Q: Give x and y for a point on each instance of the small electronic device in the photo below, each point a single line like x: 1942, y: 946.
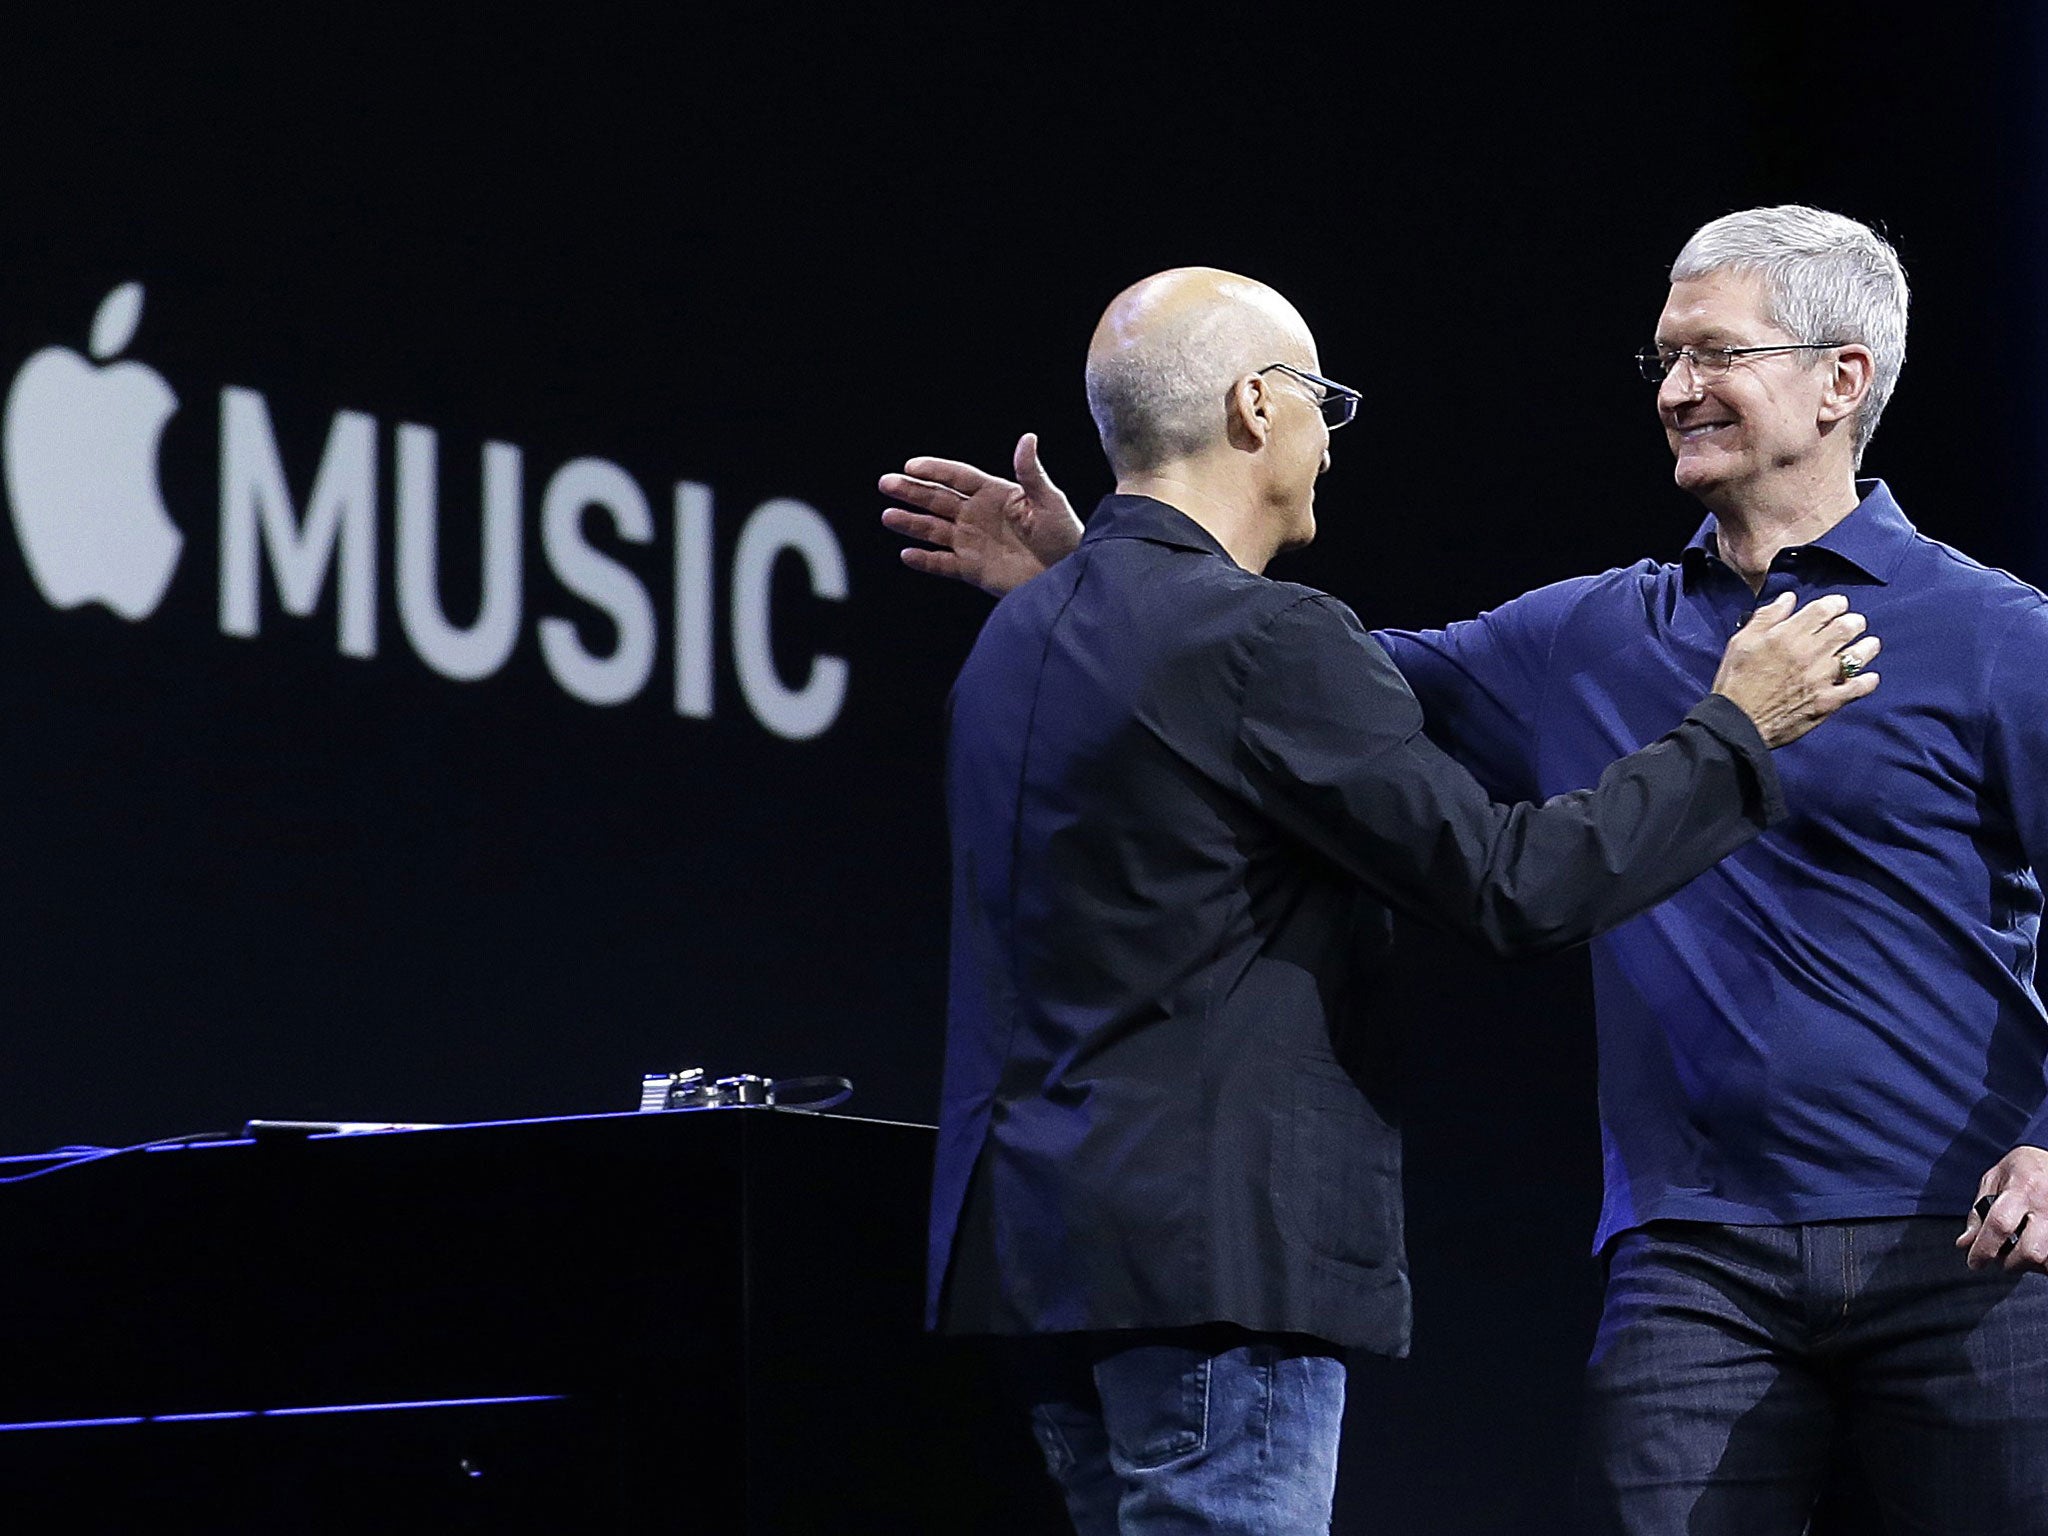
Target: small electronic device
x: 693, y: 1088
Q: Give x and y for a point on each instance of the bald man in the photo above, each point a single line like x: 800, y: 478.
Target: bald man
x: 1183, y: 800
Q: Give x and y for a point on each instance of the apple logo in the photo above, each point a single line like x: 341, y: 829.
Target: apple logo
x: 81, y: 447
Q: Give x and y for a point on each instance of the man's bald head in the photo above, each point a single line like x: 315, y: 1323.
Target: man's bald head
x: 1167, y: 353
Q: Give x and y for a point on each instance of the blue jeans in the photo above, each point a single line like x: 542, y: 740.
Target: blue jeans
x: 1194, y: 1431
x: 1738, y: 1368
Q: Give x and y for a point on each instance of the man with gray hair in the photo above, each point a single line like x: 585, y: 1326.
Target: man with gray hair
x: 1821, y: 1056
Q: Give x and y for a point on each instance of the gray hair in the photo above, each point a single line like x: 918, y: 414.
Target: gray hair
x: 1825, y: 278
x: 1166, y: 394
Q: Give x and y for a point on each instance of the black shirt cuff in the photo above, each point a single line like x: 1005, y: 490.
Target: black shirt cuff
x: 1726, y: 719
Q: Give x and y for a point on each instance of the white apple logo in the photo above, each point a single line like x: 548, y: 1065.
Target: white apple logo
x: 81, y: 446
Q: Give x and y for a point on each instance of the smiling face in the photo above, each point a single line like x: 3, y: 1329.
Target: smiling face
x: 1766, y: 418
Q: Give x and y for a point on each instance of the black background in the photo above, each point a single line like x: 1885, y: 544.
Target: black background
x: 778, y: 252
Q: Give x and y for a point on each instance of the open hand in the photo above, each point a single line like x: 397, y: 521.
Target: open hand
x: 993, y: 533
x: 1789, y: 670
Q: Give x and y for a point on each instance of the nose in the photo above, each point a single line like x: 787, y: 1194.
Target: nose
x: 1681, y: 384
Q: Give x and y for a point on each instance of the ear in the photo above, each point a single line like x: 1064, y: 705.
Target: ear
x: 1250, y: 417
x: 1847, y: 383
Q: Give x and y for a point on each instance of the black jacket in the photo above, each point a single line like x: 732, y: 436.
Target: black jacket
x: 1182, y: 800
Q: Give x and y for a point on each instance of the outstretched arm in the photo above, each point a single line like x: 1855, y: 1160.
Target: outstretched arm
x: 993, y: 533
x: 1331, y: 747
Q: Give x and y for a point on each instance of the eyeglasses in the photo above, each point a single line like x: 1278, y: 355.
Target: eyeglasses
x: 1337, y: 402
x: 1657, y: 362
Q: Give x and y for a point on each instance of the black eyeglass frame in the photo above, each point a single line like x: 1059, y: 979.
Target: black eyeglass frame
x: 1655, y: 366
x: 1342, y: 397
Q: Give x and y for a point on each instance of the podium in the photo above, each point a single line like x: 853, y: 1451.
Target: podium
x: 704, y: 1321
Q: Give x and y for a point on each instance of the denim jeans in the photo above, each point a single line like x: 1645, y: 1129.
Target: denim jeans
x: 1737, y: 1368
x: 1186, y: 1431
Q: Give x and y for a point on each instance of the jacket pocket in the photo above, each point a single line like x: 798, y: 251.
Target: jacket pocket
x: 1336, y: 1176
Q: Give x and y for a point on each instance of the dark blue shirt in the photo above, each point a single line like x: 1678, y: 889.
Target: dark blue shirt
x: 1839, y: 1020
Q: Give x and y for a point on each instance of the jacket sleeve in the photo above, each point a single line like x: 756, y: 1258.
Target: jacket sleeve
x: 1481, y: 683
x: 1331, y: 746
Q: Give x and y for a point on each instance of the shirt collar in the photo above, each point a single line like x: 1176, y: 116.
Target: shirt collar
x: 1140, y: 517
x: 1873, y: 538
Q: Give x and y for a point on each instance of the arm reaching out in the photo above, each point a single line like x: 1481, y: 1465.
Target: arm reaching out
x: 992, y: 533
x: 1331, y: 746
